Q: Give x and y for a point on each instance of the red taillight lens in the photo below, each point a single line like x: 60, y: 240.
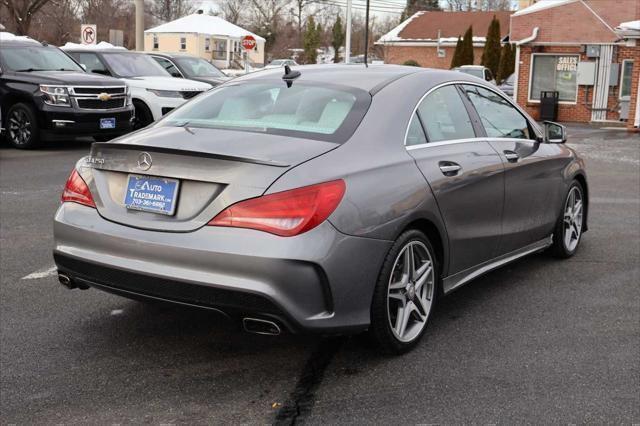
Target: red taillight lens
x: 77, y: 191
x: 285, y: 213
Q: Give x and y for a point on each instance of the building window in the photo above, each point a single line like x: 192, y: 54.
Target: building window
x: 554, y: 73
x: 625, y: 79
x: 156, y: 44
x: 220, y: 51
x: 183, y: 43
x: 207, y: 44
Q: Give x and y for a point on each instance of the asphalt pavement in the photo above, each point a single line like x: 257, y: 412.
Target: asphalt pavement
x: 539, y: 341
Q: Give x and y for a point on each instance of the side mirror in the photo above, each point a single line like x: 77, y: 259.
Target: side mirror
x: 554, y: 132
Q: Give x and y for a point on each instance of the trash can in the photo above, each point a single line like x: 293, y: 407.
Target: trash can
x: 549, y: 105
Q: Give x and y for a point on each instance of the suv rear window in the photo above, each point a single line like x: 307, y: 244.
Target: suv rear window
x: 323, y: 112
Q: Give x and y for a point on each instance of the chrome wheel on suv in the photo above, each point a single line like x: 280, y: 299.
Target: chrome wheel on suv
x: 22, y: 129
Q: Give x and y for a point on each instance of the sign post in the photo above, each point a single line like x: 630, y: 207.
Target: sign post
x: 88, y: 34
x: 249, y: 43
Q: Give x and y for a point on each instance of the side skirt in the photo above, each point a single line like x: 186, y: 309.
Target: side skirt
x: 461, y: 278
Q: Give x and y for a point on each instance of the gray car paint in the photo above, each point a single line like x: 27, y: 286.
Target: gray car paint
x: 388, y: 189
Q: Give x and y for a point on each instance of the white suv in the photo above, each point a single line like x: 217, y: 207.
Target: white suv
x: 477, y: 71
x: 153, y: 90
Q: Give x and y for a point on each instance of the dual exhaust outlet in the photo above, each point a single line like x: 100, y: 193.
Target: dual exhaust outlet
x: 250, y: 325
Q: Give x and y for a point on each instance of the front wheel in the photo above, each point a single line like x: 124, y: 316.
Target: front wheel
x: 22, y: 127
x: 568, y: 231
x: 405, y: 293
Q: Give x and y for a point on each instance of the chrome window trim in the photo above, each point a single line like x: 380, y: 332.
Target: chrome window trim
x: 533, y: 124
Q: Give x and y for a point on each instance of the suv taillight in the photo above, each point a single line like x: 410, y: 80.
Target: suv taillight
x: 285, y: 213
x: 77, y: 191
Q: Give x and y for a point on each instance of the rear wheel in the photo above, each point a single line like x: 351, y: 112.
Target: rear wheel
x: 405, y: 293
x: 143, y: 116
x: 568, y: 231
x: 22, y: 127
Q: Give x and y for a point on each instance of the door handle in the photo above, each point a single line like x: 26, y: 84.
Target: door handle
x: 511, y: 156
x: 449, y: 168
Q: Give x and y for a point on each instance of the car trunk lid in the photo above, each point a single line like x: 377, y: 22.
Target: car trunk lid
x: 215, y: 168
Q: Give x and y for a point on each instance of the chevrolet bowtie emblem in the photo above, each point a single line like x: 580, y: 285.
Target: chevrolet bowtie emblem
x: 104, y: 97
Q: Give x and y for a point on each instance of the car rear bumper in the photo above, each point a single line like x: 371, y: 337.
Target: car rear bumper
x: 57, y: 123
x: 320, y: 281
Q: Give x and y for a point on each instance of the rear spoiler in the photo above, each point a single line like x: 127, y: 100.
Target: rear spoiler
x: 97, y: 146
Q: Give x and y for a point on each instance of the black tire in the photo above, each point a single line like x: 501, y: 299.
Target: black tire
x: 21, y: 127
x: 559, y: 247
x: 380, y: 330
x: 143, y: 116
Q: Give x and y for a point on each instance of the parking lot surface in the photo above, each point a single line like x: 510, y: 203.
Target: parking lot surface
x: 540, y: 340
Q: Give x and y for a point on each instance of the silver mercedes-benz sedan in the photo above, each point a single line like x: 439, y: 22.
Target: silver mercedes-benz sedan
x: 332, y: 199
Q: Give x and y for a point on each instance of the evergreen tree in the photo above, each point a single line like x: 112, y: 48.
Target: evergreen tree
x: 455, y: 61
x: 491, y: 54
x: 414, y: 6
x: 507, y: 63
x: 466, y: 56
x: 337, y: 39
x: 311, y: 42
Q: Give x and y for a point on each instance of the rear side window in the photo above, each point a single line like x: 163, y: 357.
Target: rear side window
x: 444, y: 115
x: 499, y: 118
x: 415, y: 135
x: 323, y: 112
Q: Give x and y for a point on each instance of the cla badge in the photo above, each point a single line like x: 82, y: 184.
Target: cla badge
x: 104, y: 97
x: 144, y: 161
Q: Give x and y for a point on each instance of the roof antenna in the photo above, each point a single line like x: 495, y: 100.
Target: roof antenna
x: 290, y: 75
x: 366, y: 36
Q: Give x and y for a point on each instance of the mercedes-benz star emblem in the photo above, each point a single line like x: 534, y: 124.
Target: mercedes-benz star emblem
x: 144, y: 161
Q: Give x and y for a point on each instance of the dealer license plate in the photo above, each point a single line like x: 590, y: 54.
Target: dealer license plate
x: 152, y: 194
x: 107, y: 123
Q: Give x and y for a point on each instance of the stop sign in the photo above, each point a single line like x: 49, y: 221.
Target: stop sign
x: 248, y: 42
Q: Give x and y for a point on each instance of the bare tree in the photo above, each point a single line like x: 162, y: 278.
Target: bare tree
x: 57, y: 22
x: 232, y: 10
x: 21, y: 13
x: 168, y: 10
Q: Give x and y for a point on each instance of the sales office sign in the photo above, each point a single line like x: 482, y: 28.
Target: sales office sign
x: 567, y: 63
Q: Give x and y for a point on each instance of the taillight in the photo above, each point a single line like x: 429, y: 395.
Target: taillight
x: 77, y: 191
x: 285, y: 213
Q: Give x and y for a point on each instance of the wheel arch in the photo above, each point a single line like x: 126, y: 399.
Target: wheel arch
x: 435, y: 236
x: 582, y: 180
x: 10, y: 99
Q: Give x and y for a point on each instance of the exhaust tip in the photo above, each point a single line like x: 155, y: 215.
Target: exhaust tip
x: 65, y: 280
x: 260, y: 326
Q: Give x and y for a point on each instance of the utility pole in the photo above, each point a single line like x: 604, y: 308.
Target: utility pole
x: 139, y: 24
x: 347, y: 47
x: 366, y: 36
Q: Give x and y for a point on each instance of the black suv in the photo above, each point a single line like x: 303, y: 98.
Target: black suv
x: 192, y: 67
x: 45, y: 95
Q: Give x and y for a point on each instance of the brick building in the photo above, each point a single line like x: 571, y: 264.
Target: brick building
x: 430, y: 37
x: 588, y: 51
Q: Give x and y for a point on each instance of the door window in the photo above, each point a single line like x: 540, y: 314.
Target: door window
x: 444, y: 115
x: 169, y: 66
x: 499, y: 118
x: 93, y: 63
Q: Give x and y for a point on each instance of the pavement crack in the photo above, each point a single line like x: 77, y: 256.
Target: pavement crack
x: 302, y: 398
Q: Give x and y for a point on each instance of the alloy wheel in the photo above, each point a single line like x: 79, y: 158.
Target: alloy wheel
x: 572, y: 226
x: 19, y: 127
x: 410, y: 291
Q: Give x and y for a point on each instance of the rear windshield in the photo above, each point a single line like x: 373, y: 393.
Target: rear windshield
x: 323, y: 112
